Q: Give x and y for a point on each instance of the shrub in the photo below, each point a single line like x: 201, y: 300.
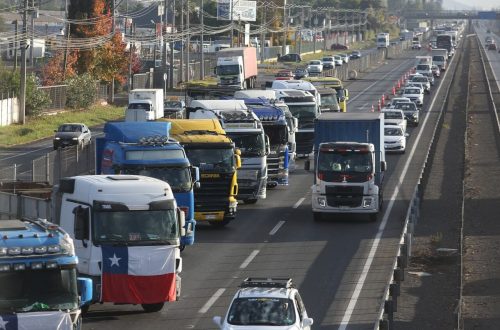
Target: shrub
x: 36, y: 100
x: 81, y: 92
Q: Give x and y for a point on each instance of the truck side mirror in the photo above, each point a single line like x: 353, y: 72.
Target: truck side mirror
x: 195, y: 175
x: 182, y: 221
x: 84, y: 290
x: 295, y: 123
x: 268, y: 146
x: 346, y: 93
x: 81, y: 223
x: 383, y: 166
x: 237, y: 158
x: 307, y: 165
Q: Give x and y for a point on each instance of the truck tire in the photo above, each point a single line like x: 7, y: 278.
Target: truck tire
x: 85, y: 309
x: 152, y: 308
x: 250, y: 201
x: 317, y: 216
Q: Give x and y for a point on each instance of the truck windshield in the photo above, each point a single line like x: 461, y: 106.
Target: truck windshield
x: 218, y: 160
x: 277, y: 134
x: 305, y: 113
x: 331, y: 164
x: 225, y: 70
x: 37, y: 290
x: 262, y: 311
x: 329, y: 100
x: 250, y: 144
x: 135, y: 227
x: 142, y: 106
x: 179, y: 178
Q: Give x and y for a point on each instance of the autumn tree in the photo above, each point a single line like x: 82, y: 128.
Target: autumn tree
x: 54, y: 72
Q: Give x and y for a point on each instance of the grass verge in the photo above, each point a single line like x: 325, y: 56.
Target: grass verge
x: 42, y: 127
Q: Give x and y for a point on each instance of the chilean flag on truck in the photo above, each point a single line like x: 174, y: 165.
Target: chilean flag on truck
x: 138, y: 274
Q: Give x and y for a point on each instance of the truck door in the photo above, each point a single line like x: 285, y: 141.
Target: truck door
x: 77, y: 217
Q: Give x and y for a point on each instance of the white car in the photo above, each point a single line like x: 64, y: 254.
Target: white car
x: 424, y: 69
x: 338, y: 60
x: 266, y: 304
x: 394, y: 117
x: 395, y: 100
x: 328, y: 62
x: 394, y: 139
x: 345, y: 57
x: 315, y: 66
x: 424, y: 80
x: 416, y: 84
x: 415, y: 94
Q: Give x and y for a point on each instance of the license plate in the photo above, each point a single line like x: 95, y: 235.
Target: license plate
x: 210, y: 216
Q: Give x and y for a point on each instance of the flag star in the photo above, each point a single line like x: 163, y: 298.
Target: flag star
x: 3, y: 324
x: 114, y: 260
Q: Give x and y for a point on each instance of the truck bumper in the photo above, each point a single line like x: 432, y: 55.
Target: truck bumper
x: 279, y: 179
x: 368, y: 204
x: 251, y: 190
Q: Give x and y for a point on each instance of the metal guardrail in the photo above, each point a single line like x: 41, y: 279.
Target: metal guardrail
x: 400, y: 262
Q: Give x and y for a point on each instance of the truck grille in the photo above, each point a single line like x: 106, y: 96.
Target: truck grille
x: 348, y: 196
x: 305, y: 142
x: 213, y: 194
x: 273, y: 164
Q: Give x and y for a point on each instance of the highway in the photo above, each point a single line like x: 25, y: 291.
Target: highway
x: 340, y: 266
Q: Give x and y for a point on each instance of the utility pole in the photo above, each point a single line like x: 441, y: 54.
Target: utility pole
x: 285, y: 27
x: 22, y: 96
x: 263, y: 34
x: 171, y: 74
x: 32, y: 34
x: 113, y: 23
x: 131, y: 49
x: 164, y: 52
x: 188, y: 68
x: 181, y: 72
x: 202, y: 71
x: 300, y: 30
x: 16, y: 24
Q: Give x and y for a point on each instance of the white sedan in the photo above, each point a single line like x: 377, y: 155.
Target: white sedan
x: 315, y: 66
x: 394, y: 139
x: 395, y: 117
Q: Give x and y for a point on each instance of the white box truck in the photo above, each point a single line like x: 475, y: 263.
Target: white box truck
x: 237, y: 67
x: 144, y: 104
x: 440, y: 58
x: 383, y: 40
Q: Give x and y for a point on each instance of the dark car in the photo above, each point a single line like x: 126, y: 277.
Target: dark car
x: 301, y: 73
x: 492, y: 46
x: 174, y: 109
x: 339, y: 47
x: 355, y: 54
x: 71, y: 134
x: 290, y: 58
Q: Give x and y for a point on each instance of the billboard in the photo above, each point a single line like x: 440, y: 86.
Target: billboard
x: 243, y: 10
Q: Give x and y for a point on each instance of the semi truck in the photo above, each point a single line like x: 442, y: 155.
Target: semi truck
x: 444, y: 41
x: 335, y: 83
x: 145, y: 148
x: 39, y: 287
x: 127, y: 231
x: 244, y: 128
x: 382, y: 40
x: 209, y: 148
x: 440, y: 58
x: 144, y: 104
x: 276, y: 128
x: 237, y: 67
x: 349, y: 164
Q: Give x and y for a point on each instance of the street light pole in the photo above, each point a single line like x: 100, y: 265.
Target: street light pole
x: 202, y: 71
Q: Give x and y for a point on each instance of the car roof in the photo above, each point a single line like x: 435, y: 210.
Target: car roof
x: 254, y: 292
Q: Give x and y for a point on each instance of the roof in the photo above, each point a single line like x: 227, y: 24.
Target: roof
x: 265, y: 292
x: 198, y: 131
x: 219, y: 104
x: 350, y: 116
x: 131, y: 132
x: 255, y: 93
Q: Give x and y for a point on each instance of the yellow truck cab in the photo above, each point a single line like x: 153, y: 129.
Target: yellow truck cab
x: 335, y: 83
x: 207, y: 146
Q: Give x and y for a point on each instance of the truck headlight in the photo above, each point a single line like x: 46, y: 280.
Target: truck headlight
x: 74, y: 139
x: 19, y: 266
x: 3, y: 251
x: 4, y: 268
x: 322, y: 201
x: 36, y: 265
x: 14, y: 251
x: 57, y: 138
x: 66, y: 245
x: 367, y: 202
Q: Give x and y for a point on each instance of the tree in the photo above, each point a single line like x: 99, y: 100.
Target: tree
x: 111, y: 61
x: 53, y: 72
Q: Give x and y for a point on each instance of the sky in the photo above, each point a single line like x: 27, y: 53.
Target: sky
x: 476, y: 4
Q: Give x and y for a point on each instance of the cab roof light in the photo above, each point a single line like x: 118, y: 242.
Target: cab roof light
x: 4, y: 267
x: 27, y: 250
x: 37, y: 265
x: 3, y: 251
x: 18, y: 267
x: 51, y: 265
x: 14, y: 251
x: 267, y: 282
x: 53, y: 249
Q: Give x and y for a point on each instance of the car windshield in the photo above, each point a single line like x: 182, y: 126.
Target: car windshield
x: 139, y: 227
x: 179, y: 178
x: 405, y: 106
x: 277, y: 134
x: 419, y: 79
x: 250, y: 144
x: 283, y: 74
x: 212, y: 159
x: 393, y: 115
x: 70, y: 128
x: 423, y: 67
x: 393, y: 131
x: 412, y: 91
x: 38, y: 290
x: 173, y: 104
x: 261, y: 311
x: 315, y: 63
x: 327, y: 59
x: 224, y: 70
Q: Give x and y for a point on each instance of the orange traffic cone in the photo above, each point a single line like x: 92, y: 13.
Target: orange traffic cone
x: 399, y: 83
x: 378, y: 106
x: 373, y: 110
x: 393, y: 91
x: 382, y: 100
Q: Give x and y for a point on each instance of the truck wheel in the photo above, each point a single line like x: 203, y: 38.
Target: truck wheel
x: 152, y: 308
x: 250, y: 201
x: 317, y: 216
x: 220, y: 223
x: 85, y: 309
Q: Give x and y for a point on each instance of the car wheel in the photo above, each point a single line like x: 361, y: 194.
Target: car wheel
x: 152, y: 308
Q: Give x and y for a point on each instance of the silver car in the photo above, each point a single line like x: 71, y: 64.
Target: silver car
x: 71, y: 134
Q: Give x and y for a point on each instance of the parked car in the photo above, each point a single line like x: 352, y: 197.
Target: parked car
x: 292, y: 57
x: 394, y: 139
x: 328, y: 62
x: 315, y: 66
x: 355, y: 54
x: 174, y: 109
x: 301, y: 73
x: 284, y: 75
x: 339, y: 47
x: 266, y: 303
x: 71, y: 134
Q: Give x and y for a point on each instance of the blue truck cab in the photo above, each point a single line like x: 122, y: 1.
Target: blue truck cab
x: 276, y: 128
x: 39, y: 288
x: 145, y: 148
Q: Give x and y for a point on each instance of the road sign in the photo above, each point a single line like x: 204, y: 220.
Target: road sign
x: 243, y: 10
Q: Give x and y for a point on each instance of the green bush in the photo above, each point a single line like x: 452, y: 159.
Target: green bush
x: 36, y: 100
x: 81, y: 92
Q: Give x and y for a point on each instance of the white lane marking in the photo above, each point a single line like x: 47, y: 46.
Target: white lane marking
x: 296, y: 205
x: 381, y: 228
x: 277, y: 227
x: 211, y: 301
x: 249, y: 259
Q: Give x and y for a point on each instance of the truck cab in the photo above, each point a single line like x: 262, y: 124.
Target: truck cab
x: 144, y: 104
x: 38, y: 276
x: 127, y: 231
x: 145, y: 148
x: 237, y: 67
x: 246, y: 131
